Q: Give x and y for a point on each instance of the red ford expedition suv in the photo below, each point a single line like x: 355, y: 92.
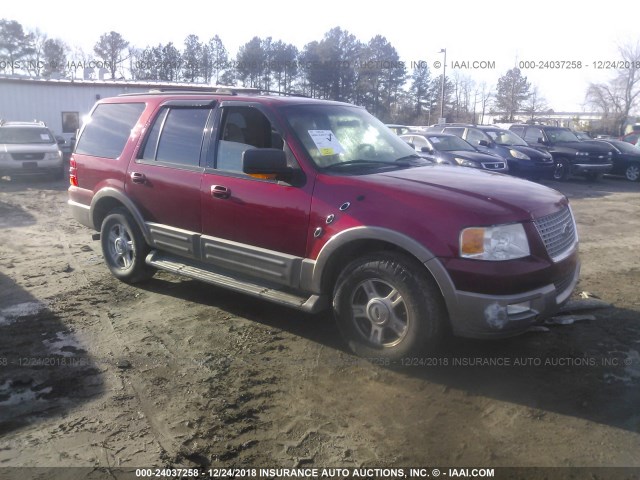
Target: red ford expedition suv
x: 316, y: 204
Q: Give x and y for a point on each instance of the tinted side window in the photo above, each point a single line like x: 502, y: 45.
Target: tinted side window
x: 474, y: 136
x: 176, y: 136
x: 533, y: 134
x: 420, y: 142
x: 109, y: 129
x: 457, y: 131
x: 517, y: 130
x: 243, y: 128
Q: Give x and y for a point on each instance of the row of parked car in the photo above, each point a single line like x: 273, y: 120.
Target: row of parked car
x: 530, y: 151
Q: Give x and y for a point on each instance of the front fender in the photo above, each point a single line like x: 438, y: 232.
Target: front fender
x: 313, y: 271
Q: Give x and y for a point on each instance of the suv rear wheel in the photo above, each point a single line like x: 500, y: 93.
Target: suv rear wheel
x: 124, y: 247
x: 387, y: 307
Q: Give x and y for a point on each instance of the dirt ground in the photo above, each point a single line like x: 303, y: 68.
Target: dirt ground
x: 97, y: 373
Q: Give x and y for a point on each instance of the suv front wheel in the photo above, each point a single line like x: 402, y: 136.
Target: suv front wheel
x: 562, y: 169
x: 124, y: 247
x: 387, y: 307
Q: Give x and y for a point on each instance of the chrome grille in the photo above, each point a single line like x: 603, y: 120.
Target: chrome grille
x: 494, y: 166
x: 27, y: 156
x: 558, y: 232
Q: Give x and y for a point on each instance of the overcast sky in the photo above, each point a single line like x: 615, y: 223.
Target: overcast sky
x: 493, y: 31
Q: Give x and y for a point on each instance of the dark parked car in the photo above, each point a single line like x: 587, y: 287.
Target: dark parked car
x: 571, y: 155
x: 626, y: 159
x: 522, y: 160
x: 315, y: 204
x: 452, y: 150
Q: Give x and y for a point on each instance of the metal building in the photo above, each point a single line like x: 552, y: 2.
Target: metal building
x: 62, y: 104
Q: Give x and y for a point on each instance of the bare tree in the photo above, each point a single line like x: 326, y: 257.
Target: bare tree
x: 483, y: 95
x: 536, y: 104
x: 616, y: 98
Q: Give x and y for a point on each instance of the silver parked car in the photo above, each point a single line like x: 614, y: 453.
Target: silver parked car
x: 29, y: 148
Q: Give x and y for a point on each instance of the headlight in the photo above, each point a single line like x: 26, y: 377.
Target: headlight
x: 51, y: 156
x: 5, y: 157
x: 466, y: 163
x: 520, y: 155
x: 504, y: 242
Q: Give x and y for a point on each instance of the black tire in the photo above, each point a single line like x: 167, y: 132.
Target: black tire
x: 124, y: 248
x: 632, y: 172
x: 399, y: 310
x: 562, y: 170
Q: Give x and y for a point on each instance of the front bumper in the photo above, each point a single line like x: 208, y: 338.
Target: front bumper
x: 592, y: 168
x: 520, y: 167
x: 39, y: 167
x: 479, y: 315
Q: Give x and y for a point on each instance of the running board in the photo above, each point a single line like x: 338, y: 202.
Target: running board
x: 170, y: 263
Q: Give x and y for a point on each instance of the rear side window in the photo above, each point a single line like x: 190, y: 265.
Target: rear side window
x: 176, y: 136
x: 458, y: 132
x: 474, y: 137
x: 106, y: 134
x: 517, y: 130
x: 533, y: 135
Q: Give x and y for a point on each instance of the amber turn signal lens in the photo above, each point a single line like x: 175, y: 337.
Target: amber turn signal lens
x: 472, y: 241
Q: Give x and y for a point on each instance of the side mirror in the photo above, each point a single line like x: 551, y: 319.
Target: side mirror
x: 542, y: 141
x: 483, y: 143
x: 267, y: 163
x: 426, y: 150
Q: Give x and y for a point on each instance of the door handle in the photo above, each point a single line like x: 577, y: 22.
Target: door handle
x: 138, y: 177
x: 220, y: 191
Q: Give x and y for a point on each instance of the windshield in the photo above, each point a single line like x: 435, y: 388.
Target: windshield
x: 25, y: 135
x: 505, y: 137
x: 448, y: 143
x: 341, y: 135
x: 561, y: 135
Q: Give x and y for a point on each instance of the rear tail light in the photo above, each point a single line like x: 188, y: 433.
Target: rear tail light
x: 73, y: 172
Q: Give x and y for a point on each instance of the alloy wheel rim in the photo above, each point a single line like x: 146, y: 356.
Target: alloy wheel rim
x: 380, y: 313
x: 120, y: 246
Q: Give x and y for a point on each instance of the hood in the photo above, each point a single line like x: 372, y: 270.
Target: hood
x: 29, y: 148
x: 475, y: 193
x: 533, y: 153
x: 586, y: 146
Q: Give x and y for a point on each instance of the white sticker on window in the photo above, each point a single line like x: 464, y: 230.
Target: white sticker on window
x: 326, y: 142
x: 44, y: 136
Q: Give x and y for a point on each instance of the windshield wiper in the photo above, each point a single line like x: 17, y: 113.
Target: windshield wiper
x: 359, y: 162
x: 412, y: 160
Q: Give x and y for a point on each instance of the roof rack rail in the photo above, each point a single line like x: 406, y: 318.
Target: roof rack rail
x: 180, y: 90
x: 11, y: 122
x: 284, y: 94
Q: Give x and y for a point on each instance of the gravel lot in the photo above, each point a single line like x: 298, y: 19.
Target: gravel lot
x: 97, y: 373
